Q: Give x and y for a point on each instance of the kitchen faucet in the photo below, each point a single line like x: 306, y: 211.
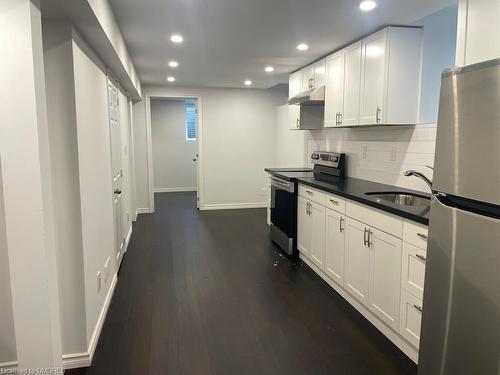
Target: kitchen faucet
x: 420, y: 175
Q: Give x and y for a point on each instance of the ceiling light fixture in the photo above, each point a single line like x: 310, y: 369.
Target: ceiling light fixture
x: 170, y: 79
x: 176, y: 38
x: 269, y: 69
x: 173, y: 64
x: 248, y: 82
x: 302, y: 47
x: 367, y: 5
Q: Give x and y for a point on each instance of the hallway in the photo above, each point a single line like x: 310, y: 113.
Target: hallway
x: 208, y: 293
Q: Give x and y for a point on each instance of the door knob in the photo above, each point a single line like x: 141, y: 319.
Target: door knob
x: 118, y: 191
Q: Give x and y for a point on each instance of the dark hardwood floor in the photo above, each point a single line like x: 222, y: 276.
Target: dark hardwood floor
x: 208, y: 293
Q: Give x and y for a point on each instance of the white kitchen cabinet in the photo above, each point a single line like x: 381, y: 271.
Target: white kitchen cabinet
x: 319, y: 73
x: 390, y: 76
x: 478, y: 36
x: 304, y: 227
x: 413, y: 270
x: 307, y: 78
x: 411, y: 318
x: 357, y: 261
x: 385, y: 276
x: 317, y: 217
x: 374, y: 65
x: 293, y: 117
x: 335, y: 246
x: 352, y: 85
x: 294, y: 84
x: 334, y: 90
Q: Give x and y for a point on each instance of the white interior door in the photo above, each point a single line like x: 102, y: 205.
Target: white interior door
x: 116, y: 166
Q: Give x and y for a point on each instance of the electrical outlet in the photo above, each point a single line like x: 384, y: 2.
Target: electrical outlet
x: 98, y: 281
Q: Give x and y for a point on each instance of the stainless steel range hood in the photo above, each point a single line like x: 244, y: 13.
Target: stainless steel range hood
x: 314, y: 96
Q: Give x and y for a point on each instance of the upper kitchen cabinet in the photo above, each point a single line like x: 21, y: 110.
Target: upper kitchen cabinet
x: 390, y: 77
x: 349, y: 116
x: 313, y: 75
x: 478, y: 25
x: 294, y: 84
x: 334, y: 92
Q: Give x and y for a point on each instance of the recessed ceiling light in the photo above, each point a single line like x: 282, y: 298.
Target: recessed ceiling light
x: 173, y: 64
x: 269, y: 69
x: 248, y: 82
x: 367, y: 5
x: 176, y: 38
x: 302, y: 47
x: 170, y: 79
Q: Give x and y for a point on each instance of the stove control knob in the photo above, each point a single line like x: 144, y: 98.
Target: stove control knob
x: 315, y: 156
x: 334, y: 159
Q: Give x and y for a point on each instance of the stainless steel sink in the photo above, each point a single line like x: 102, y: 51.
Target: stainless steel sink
x: 403, y: 199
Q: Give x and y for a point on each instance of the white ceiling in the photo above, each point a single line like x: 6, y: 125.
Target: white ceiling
x: 228, y: 41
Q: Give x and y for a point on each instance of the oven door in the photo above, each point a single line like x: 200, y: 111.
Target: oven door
x: 282, y: 205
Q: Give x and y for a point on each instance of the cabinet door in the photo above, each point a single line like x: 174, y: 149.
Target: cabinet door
x: 334, y: 90
x: 335, y: 246
x: 352, y: 84
x: 373, y: 78
x: 357, y: 261
x: 294, y: 117
x: 385, y: 276
x: 319, y: 73
x: 413, y: 270
x: 294, y: 84
x: 307, y: 78
x: 317, y: 220
x: 303, y: 227
x: 411, y: 318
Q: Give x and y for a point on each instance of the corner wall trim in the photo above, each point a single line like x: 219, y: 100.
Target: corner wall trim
x: 75, y: 360
x: 229, y: 206
x: 174, y: 190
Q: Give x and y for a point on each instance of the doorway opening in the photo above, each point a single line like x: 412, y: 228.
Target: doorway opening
x: 174, y: 143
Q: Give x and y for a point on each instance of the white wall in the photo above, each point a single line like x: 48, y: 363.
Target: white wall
x: 237, y: 141
x: 63, y: 142
x: 94, y: 161
x: 7, y: 334
x: 439, y: 45
x: 173, y: 155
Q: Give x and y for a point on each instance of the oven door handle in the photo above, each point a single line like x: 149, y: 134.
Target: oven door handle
x: 284, y: 185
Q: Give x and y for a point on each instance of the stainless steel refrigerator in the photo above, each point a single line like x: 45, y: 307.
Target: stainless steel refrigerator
x: 461, y: 307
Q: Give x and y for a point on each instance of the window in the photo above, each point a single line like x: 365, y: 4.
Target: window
x: 190, y: 120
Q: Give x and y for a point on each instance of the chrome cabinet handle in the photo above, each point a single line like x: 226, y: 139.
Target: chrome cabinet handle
x: 369, y: 241
x: 421, y: 257
x: 307, y: 208
x: 340, y: 119
x: 334, y: 201
x: 298, y: 123
x: 340, y: 224
x: 419, y: 308
x: 422, y: 236
x: 309, y: 192
x: 311, y: 83
x: 377, y: 115
x: 364, y: 237
x: 337, y: 118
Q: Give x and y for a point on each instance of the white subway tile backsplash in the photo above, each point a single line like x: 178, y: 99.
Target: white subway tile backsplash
x: 380, y: 154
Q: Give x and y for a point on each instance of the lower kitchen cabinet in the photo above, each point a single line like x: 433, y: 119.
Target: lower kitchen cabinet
x: 413, y: 270
x: 411, y: 318
x: 311, y: 230
x: 357, y: 261
x: 335, y: 246
x: 385, y: 276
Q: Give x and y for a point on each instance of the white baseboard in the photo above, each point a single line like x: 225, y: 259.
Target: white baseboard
x: 143, y: 211
x: 8, y: 365
x: 75, y: 360
x: 404, y: 346
x: 174, y: 190
x: 226, y: 206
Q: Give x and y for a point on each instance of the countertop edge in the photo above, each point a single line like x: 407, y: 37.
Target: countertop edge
x: 357, y: 198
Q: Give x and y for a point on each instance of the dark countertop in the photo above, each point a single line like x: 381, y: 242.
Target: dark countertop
x: 290, y: 174
x: 355, y: 189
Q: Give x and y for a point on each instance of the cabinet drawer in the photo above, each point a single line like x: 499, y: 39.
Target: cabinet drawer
x: 411, y: 318
x: 415, y: 233
x: 413, y: 270
x: 384, y: 221
x: 336, y: 203
x: 313, y: 194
